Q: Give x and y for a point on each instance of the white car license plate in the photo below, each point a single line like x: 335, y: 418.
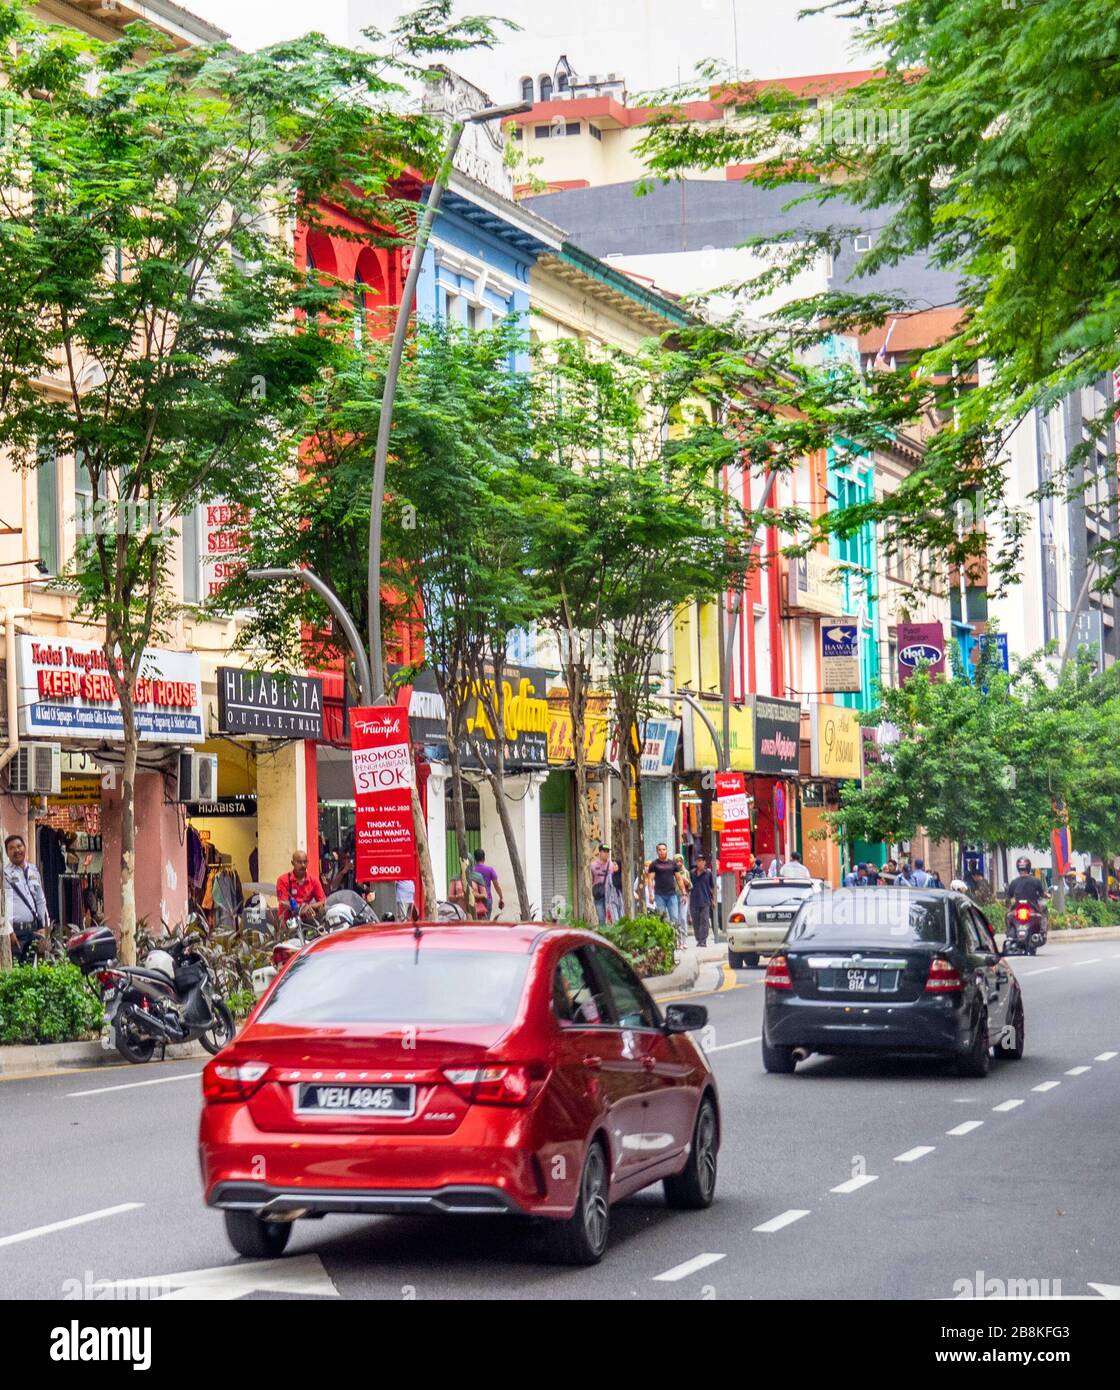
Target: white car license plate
x: 315, y: 1099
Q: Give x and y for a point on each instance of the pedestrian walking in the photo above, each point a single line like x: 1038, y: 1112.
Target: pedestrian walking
x: 614, y: 892
x: 700, y: 899
x: 600, y: 878
x: 491, y: 887
x: 661, y: 878
x: 684, y: 889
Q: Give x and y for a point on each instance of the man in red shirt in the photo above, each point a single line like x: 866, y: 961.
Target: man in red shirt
x: 298, y: 892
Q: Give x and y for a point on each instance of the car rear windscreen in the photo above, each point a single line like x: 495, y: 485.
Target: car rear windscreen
x: 416, y: 985
x: 874, y: 915
x: 767, y: 894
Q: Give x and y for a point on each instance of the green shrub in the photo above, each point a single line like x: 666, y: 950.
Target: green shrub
x: 1098, y: 914
x: 996, y: 913
x: 1073, y: 920
x: 241, y: 1003
x: 46, y: 1004
x: 648, y: 942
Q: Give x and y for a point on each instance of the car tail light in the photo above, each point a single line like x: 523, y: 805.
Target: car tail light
x: 283, y: 952
x: 1022, y: 914
x: 736, y: 917
x: 943, y: 977
x: 498, y: 1083
x: 777, y: 973
x: 232, y: 1080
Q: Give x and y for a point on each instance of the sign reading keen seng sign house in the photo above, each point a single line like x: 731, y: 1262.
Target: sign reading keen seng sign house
x: 66, y: 691
x: 777, y: 736
x: 269, y: 703
x: 382, y: 760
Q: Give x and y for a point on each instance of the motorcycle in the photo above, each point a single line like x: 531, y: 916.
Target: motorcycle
x: 170, y: 998
x: 342, y: 909
x: 1025, y: 931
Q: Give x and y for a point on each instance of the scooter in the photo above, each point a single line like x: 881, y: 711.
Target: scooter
x: 1026, y: 930
x: 170, y: 998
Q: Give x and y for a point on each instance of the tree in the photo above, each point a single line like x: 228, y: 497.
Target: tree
x: 456, y: 485
x: 984, y: 141
x: 633, y: 525
x: 147, y: 278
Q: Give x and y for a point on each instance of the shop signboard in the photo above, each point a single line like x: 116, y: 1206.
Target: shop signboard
x: 228, y: 807
x: 66, y: 692
x: 777, y: 736
x: 526, y: 721
x: 383, y: 779
x: 920, y: 643
x: 735, y: 834
x: 595, y: 725
x: 840, y: 672
x: 837, y: 745
x: 269, y: 703
x: 659, y: 746
x: 812, y: 588
x: 700, y: 752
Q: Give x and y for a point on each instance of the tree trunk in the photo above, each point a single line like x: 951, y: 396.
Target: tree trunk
x: 577, y: 708
x: 458, y: 805
x: 128, y: 829
x: 420, y: 828
x: 5, y: 925
x: 620, y: 839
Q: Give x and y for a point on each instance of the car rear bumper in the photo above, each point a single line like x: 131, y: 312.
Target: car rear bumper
x: 927, y: 1025
x: 761, y: 940
x: 285, y: 1204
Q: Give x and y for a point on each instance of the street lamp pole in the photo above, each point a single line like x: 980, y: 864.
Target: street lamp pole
x: 338, y: 612
x: 392, y: 372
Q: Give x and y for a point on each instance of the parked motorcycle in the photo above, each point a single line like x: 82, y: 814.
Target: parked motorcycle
x: 1025, y: 929
x: 170, y: 998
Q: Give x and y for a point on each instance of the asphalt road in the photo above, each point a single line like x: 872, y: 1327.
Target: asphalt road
x: 844, y: 1180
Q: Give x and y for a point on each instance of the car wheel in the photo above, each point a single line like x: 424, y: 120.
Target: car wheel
x: 752, y: 960
x: 694, y: 1187
x: 582, y: 1238
x: 777, y: 1059
x: 1013, y: 1042
x: 978, y: 1059
x: 253, y: 1236
x: 734, y: 959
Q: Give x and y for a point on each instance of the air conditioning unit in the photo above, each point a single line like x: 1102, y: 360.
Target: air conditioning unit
x: 36, y: 770
x: 198, y: 776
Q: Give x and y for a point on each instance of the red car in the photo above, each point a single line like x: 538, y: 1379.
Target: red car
x: 457, y: 1068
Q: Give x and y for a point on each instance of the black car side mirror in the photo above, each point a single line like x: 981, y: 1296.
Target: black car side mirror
x: 685, y: 1018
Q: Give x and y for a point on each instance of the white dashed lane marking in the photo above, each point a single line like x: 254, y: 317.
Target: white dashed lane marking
x: 741, y: 1043
x: 1006, y: 1105
x: 1046, y: 970
x: 36, y: 1231
x: 1078, y: 1071
x: 966, y: 1128
x: 854, y: 1184
x: 1104, y: 1056
x: 682, y: 1271
x: 786, y: 1219
x: 1093, y: 960
x: 1046, y: 1086
x: 911, y: 1155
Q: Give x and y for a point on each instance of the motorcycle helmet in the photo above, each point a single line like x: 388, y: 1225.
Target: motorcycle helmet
x: 161, y: 961
x: 958, y: 885
x: 346, y: 909
x: 1023, y: 864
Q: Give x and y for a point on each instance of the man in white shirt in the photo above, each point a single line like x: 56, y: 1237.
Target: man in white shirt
x: 27, y: 903
x: 794, y: 868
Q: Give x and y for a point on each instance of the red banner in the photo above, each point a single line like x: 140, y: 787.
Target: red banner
x: 735, y: 838
x: 383, y: 774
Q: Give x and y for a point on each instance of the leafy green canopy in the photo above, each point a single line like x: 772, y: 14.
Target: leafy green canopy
x: 988, y: 762
x: 986, y: 142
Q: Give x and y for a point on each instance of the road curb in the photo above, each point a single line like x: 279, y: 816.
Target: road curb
x: 683, y: 977
x: 1084, y: 934
x: 44, y: 1058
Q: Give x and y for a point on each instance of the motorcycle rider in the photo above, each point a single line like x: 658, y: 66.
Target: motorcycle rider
x: 1026, y: 888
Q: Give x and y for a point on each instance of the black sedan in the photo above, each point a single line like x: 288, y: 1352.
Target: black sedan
x: 912, y: 971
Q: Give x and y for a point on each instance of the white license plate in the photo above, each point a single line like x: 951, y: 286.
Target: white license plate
x: 315, y: 1099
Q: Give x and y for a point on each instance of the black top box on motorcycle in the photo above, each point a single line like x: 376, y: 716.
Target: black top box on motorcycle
x: 92, y: 948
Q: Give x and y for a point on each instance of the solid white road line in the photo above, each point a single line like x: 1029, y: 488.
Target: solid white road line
x: 911, y: 1155
x: 1078, y: 1071
x: 1006, y: 1105
x: 689, y: 1267
x: 1046, y: 970
x: 966, y: 1128
x: 854, y: 1184
x: 1046, y: 1086
x: 787, y: 1218
x: 741, y: 1043
x: 1093, y: 960
x: 1104, y: 1056
x: 131, y: 1085
x: 70, y: 1221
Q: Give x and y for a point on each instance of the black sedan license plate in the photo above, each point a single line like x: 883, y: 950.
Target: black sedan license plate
x: 356, y: 1100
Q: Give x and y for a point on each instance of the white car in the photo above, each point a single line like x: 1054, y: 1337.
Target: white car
x: 761, y: 917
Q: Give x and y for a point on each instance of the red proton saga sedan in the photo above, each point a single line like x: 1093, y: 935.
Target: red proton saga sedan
x: 457, y: 1068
